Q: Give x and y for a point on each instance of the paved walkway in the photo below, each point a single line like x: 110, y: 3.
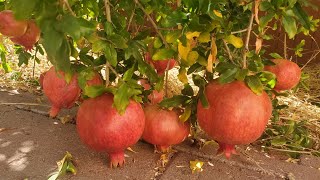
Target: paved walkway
x: 31, y: 143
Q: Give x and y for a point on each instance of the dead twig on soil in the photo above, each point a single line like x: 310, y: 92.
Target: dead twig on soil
x: 26, y: 104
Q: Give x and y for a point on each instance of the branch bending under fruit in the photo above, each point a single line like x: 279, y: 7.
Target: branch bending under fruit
x: 153, y: 23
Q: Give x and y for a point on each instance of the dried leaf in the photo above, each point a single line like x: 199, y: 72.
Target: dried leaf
x: 213, y: 56
x: 64, y: 165
x: 131, y: 150
x: 258, y: 44
x: 217, y: 13
x: 191, y: 35
x: 196, y: 166
x: 256, y: 10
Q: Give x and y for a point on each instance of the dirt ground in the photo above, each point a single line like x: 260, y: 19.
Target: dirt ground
x: 31, y: 143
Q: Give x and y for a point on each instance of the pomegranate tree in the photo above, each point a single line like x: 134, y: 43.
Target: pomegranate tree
x: 288, y: 74
x: 30, y: 37
x: 11, y: 27
x: 103, y: 129
x: 235, y: 115
x: 60, y: 93
x: 163, y: 128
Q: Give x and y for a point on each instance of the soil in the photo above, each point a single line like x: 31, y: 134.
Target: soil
x: 31, y: 143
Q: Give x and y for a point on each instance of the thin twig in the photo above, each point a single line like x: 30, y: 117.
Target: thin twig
x: 69, y: 7
x: 108, y: 16
x: 153, y: 23
x: 285, y: 46
x: 240, y: 31
x: 114, y: 71
x: 246, y: 50
x: 26, y: 104
x: 312, y: 58
x: 228, y: 50
x: 131, y: 17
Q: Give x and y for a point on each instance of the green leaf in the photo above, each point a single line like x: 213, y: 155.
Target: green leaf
x: 223, y: 66
x: 97, y: 90
x: 173, y: 19
x: 111, y: 54
x: 23, y: 9
x: 228, y: 76
x: 278, y: 141
x: 254, y: 84
x: 128, y: 74
x: 122, y: 97
x: 163, y: 54
x: 24, y: 58
x: 187, y: 90
x: 204, y: 100
x: 291, y: 3
x: 65, y: 165
x: 241, y: 74
x: 145, y: 68
x: 157, y: 43
x: 173, y: 36
x: 289, y: 24
x: 265, y: 5
x: 302, y: 16
x: 75, y: 27
x: 186, y: 114
x: 175, y: 101
x: 264, y: 20
x: 118, y: 41
x: 234, y: 40
x: 108, y: 28
x: 276, y: 55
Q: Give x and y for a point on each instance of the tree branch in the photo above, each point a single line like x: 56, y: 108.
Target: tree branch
x: 69, y: 7
x: 228, y: 51
x: 246, y: 50
x: 153, y: 23
x: 108, y: 16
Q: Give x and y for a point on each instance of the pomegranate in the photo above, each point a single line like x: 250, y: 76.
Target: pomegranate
x: 161, y: 66
x: 155, y: 96
x: 11, y: 27
x: 288, y: 74
x: 30, y: 37
x: 163, y: 128
x: 102, y: 128
x: 59, y: 92
x: 235, y: 115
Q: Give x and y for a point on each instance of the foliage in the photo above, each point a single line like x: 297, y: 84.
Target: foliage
x: 208, y: 38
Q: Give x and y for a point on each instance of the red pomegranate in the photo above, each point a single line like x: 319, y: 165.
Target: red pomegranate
x: 103, y: 129
x: 30, y: 37
x: 11, y: 27
x: 235, y: 116
x: 163, y: 128
x: 155, y: 96
x: 288, y: 74
x: 95, y: 80
x: 59, y: 92
x: 161, y: 66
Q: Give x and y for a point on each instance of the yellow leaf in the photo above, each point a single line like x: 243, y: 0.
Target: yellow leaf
x: 186, y: 114
x: 184, y: 50
x: 182, y: 76
x: 217, y: 13
x: 196, y: 166
x: 191, y: 35
x: 204, y: 37
x: 213, y: 56
x: 234, y: 40
x: 192, y: 57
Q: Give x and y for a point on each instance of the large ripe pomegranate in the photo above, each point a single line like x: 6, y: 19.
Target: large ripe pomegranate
x: 288, y: 74
x: 103, y: 129
x: 155, y: 96
x: 11, y: 27
x: 59, y: 92
x: 163, y: 128
x: 30, y: 37
x: 161, y: 66
x: 236, y: 115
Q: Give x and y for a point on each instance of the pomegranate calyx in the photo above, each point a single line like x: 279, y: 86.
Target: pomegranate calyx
x: 226, y: 149
x: 116, y: 159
